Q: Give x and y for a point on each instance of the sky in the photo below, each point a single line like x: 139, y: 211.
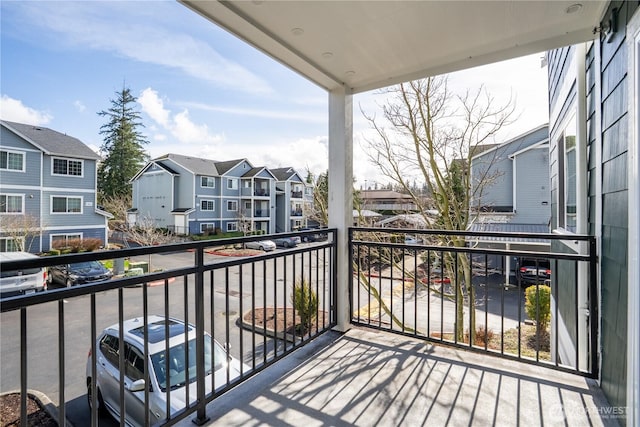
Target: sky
x: 200, y: 91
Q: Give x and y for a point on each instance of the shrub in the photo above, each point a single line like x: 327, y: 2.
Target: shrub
x: 305, y: 302
x: 482, y: 336
x: 538, y: 305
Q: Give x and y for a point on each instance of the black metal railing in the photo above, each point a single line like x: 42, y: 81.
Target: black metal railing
x: 470, y: 289
x: 246, y: 303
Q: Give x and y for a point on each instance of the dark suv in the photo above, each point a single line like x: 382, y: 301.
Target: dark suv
x: 534, y: 270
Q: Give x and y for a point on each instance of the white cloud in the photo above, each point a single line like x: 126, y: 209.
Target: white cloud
x: 79, y: 106
x: 179, y: 125
x: 122, y: 28
x: 14, y: 110
x: 309, y: 117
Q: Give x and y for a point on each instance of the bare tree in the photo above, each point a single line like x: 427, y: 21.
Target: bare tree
x: 430, y: 133
x: 146, y: 233
x: 21, y: 229
x: 117, y: 206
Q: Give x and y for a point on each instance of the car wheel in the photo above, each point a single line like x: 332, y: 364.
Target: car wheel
x: 285, y: 244
x: 69, y: 283
x: 305, y: 239
x: 101, y: 408
x: 262, y: 248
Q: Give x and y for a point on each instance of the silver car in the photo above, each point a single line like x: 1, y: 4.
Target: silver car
x: 263, y: 245
x: 22, y: 281
x: 170, y: 373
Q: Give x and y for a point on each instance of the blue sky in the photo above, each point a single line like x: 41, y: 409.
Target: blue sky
x: 200, y: 90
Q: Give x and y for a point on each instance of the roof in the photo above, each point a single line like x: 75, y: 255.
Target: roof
x: 416, y: 220
x: 51, y: 142
x: 365, y: 213
x: 519, y: 143
x: 285, y: 174
x: 226, y: 166
x: 195, y: 165
x: 134, y: 331
x: 509, y: 227
x: 358, y: 46
x: 384, y: 194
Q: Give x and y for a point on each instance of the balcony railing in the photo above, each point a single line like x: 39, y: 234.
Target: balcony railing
x: 453, y: 288
x: 244, y: 303
x: 296, y: 212
x: 456, y: 288
x: 296, y: 194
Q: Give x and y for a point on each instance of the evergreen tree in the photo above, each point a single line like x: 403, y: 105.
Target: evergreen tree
x: 122, y: 147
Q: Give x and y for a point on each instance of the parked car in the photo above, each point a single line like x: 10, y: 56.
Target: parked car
x: 168, y: 369
x: 22, y: 281
x: 533, y: 270
x: 78, y: 273
x: 287, y: 242
x: 315, y: 237
x: 412, y: 240
x: 263, y: 245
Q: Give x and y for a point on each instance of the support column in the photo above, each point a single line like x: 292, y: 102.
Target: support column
x: 341, y: 193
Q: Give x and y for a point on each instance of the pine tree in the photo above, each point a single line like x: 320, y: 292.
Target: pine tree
x: 122, y: 146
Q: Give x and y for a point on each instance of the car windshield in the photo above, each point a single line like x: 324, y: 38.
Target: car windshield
x: 86, y: 265
x: 179, y: 370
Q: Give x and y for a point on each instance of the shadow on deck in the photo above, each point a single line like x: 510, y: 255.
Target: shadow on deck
x: 366, y: 378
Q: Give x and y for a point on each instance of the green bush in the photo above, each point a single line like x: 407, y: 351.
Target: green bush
x: 305, y: 303
x: 538, y: 304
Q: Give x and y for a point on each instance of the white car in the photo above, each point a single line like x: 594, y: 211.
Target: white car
x: 22, y: 281
x: 263, y: 245
x: 169, y: 372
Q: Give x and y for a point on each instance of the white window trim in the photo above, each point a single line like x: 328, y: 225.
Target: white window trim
x: 212, y: 179
x: 208, y: 210
x: 232, y: 226
x: 232, y: 201
x: 24, y: 160
x: 67, y: 197
x: 14, y: 239
x: 232, y: 183
x: 68, y: 160
x: 22, y: 211
x: 73, y: 235
x: 203, y: 226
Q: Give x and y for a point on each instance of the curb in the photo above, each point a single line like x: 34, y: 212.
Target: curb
x: 45, y: 403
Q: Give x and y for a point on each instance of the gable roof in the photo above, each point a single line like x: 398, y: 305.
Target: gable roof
x: 518, y: 143
x: 285, y: 174
x: 226, y: 166
x: 51, y: 142
x: 195, y: 165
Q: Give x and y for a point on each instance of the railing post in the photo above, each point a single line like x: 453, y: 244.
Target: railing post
x: 593, y: 306
x: 201, y: 415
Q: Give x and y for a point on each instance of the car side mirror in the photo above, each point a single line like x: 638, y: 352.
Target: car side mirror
x: 138, y: 385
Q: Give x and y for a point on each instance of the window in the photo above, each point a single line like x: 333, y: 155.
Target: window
x: 134, y: 365
x: 67, y: 167
x: 232, y: 183
x: 9, y: 244
x: 62, y: 240
x: 247, y: 205
x: 207, y: 181
x: 12, y: 161
x: 66, y: 204
x: 11, y: 203
x: 207, y: 205
x: 567, y: 192
x: 207, y: 226
x: 109, y: 346
x: 232, y: 205
x: 232, y: 226
x: 247, y: 183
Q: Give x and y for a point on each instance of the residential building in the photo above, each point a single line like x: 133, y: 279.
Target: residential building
x: 190, y: 195
x: 47, y: 186
x: 387, y: 201
x: 510, y: 182
x: 290, y: 199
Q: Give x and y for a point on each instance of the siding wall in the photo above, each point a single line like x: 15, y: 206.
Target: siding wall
x: 608, y: 105
x: 532, y: 187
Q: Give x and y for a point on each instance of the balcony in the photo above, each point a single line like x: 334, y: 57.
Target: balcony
x: 261, y: 192
x: 401, y: 361
x: 296, y: 194
x: 296, y: 212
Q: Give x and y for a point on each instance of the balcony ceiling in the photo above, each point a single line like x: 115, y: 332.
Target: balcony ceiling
x: 365, y: 45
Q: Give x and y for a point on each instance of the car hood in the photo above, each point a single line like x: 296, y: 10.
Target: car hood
x: 89, y: 271
x: 179, y: 395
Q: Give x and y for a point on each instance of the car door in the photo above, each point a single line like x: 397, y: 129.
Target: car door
x: 134, y: 370
x: 108, y: 372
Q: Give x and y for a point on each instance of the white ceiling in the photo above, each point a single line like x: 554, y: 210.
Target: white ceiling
x: 366, y: 45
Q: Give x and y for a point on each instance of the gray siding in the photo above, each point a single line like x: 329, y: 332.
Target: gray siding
x: 153, y: 192
x: 611, y: 103
x: 532, y: 187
